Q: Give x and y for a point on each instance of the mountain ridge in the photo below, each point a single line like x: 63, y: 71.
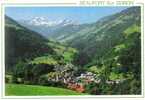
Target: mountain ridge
x: 104, y: 34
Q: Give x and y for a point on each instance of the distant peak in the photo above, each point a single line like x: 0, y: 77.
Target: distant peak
x: 40, y: 21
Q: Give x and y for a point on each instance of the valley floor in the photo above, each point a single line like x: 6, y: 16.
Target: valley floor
x: 35, y: 90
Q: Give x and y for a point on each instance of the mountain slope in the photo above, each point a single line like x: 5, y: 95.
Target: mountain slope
x: 21, y: 43
x: 94, y: 40
x: 43, y: 26
x: 122, y: 63
x: 32, y: 59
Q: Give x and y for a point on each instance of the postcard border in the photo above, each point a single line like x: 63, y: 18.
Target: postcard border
x: 3, y: 5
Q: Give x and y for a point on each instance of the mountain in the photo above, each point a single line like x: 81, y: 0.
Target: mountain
x: 43, y: 26
x: 69, y: 32
x: 95, y: 39
x: 122, y: 63
x: 90, y: 39
x: 30, y: 57
x: 113, y: 52
x: 38, y: 21
x: 22, y: 44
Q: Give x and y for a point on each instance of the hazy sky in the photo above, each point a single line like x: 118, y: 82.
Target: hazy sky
x: 78, y: 14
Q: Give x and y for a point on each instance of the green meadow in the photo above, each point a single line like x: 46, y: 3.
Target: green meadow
x: 31, y: 90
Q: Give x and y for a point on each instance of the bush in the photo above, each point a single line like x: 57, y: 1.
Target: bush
x: 20, y: 80
x: 92, y: 88
x: 27, y: 83
x: 43, y: 80
x: 8, y: 78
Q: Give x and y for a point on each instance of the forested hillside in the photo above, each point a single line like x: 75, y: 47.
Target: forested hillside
x: 93, y: 39
x: 22, y: 44
x: 29, y: 51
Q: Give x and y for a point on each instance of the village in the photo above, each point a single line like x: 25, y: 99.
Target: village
x: 77, y: 83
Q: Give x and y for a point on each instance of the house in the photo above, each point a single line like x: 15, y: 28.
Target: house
x: 77, y: 87
x: 87, y: 77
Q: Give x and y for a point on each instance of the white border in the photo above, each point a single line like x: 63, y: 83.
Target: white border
x: 61, y: 97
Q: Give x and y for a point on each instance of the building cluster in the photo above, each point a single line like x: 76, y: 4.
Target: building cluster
x: 78, y: 83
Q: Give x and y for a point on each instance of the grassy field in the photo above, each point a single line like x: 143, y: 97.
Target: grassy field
x: 34, y: 90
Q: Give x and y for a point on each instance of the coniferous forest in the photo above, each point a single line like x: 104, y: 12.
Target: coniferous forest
x: 99, y: 58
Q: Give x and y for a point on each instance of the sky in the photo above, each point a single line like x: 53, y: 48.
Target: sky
x: 78, y: 14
